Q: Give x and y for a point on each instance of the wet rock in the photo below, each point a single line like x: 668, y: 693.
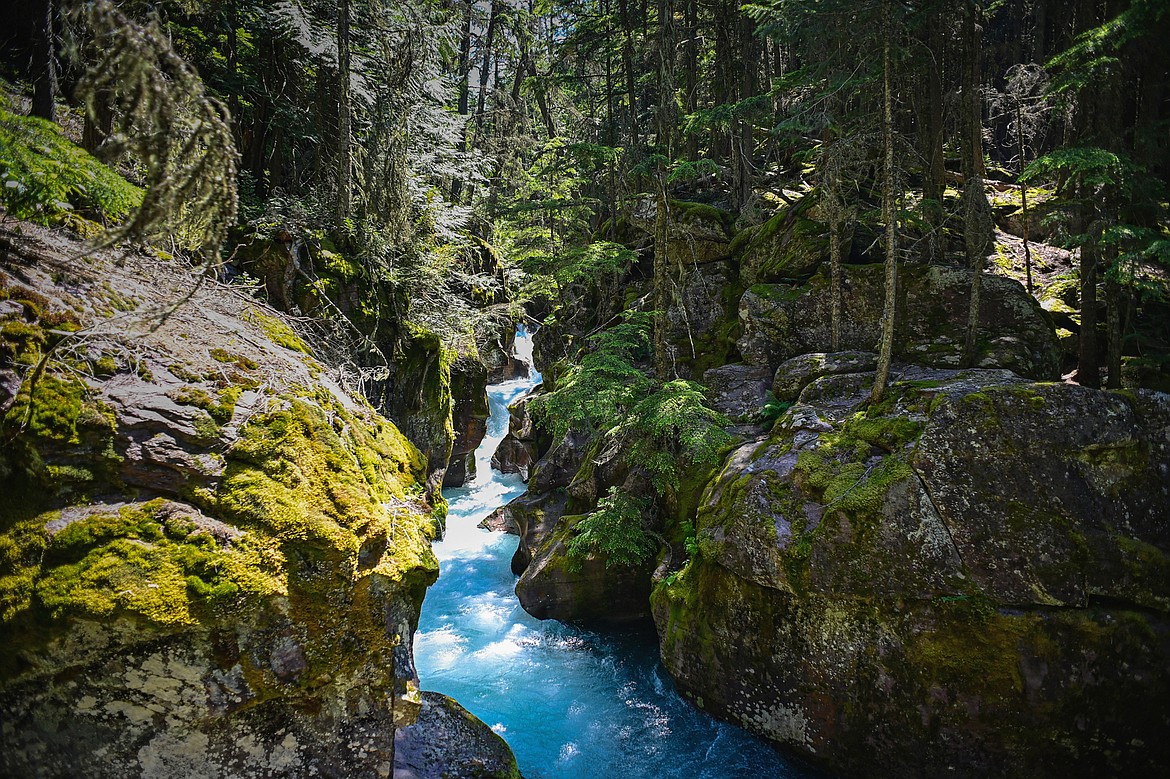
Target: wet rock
x: 554, y: 585
x: 448, y: 742
x: 524, y: 444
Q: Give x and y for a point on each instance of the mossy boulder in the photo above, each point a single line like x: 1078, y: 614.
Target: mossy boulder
x: 788, y: 245
x: 697, y: 233
x: 972, y: 577
x: 212, y: 556
x: 781, y: 321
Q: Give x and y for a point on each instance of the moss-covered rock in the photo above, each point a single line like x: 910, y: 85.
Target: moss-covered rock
x: 973, y: 577
x: 212, y: 556
x: 781, y: 321
x: 697, y: 233
x: 787, y: 246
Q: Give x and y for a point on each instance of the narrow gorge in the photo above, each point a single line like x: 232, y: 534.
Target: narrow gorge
x: 584, y: 389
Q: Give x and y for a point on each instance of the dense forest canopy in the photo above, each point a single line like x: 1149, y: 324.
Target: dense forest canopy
x: 450, y: 168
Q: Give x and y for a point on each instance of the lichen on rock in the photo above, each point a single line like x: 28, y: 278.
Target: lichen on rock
x: 212, y: 556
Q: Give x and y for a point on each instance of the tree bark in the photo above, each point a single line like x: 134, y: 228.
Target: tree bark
x: 1088, y: 368
x: 45, y: 78
x: 889, y: 214
x: 345, y: 119
x: 1113, y: 303
x: 977, y: 218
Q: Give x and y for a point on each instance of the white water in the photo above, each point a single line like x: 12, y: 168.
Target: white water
x: 571, y: 703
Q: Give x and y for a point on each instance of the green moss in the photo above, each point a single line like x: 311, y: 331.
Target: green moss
x: 105, y: 365
x: 220, y: 409
x: 973, y: 648
x: 239, y: 361
x: 777, y: 292
x: 689, y: 213
x: 277, y: 331
x: 164, y: 573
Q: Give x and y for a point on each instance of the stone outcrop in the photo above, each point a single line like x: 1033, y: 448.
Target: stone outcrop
x: 213, y: 554
x: 524, y: 444
x: 446, y: 741
x: 971, y: 578
x: 789, y: 245
x: 781, y: 321
x: 469, y: 415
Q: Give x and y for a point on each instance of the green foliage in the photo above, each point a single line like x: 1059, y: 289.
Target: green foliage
x: 669, y: 428
x: 43, y: 176
x: 1096, y: 53
x: 1084, y: 165
x: 772, y: 410
x: 593, y: 395
x: 592, y: 263
x: 615, y: 529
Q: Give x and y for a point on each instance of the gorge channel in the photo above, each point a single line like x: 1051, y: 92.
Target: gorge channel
x: 570, y: 702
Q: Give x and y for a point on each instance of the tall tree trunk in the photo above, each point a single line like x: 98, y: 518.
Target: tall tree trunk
x: 1088, y: 367
x: 665, y: 127
x: 464, y: 89
x: 977, y: 226
x: 691, y: 71
x: 628, y: 66
x: 485, y: 71
x: 934, y: 182
x: 1020, y: 149
x: 1113, y: 303
x: 345, y: 119
x: 889, y: 214
x: 835, y: 218
x: 45, y: 78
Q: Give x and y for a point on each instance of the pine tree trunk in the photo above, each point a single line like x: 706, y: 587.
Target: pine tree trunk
x: 835, y: 279
x: 45, y: 80
x: 886, y: 350
x: 934, y: 184
x: 345, y: 119
x: 1088, y: 368
x: 661, y: 300
x: 464, y: 90
x: 1113, y: 304
x: 977, y: 218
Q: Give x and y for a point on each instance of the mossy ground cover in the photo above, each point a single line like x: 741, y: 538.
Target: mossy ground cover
x: 45, y: 178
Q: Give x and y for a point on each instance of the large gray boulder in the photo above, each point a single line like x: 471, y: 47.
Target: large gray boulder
x: 971, y: 578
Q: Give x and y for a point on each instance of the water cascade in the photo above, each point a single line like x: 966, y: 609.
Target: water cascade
x: 570, y: 702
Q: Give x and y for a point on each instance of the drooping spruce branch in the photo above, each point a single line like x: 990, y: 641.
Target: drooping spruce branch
x: 164, y: 120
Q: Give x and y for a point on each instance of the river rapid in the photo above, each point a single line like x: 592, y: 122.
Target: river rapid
x: 570, y: 702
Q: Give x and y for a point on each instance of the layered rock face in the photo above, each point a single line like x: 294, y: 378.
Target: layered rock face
x: 213, y: 555
x: 971, y: 578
